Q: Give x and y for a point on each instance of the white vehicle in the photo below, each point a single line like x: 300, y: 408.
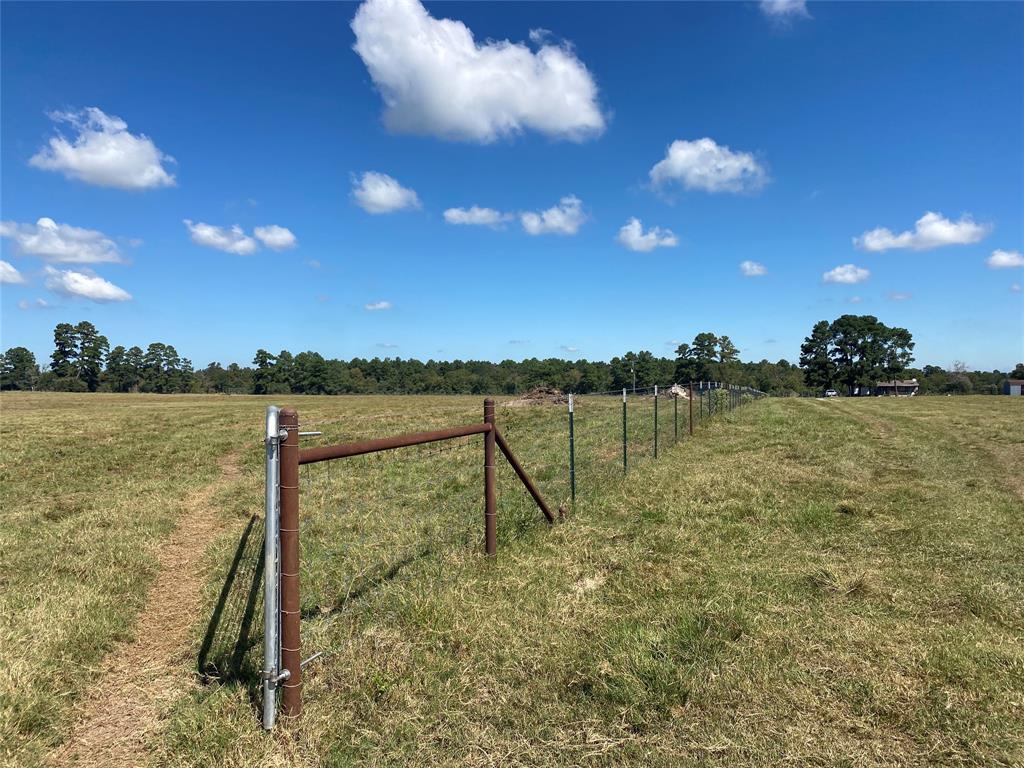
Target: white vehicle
x: 831, y: 393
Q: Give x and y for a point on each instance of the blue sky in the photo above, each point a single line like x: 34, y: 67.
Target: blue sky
x: 742, y: 132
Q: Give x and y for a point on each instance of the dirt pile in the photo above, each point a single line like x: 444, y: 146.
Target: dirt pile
x: 539, y: 396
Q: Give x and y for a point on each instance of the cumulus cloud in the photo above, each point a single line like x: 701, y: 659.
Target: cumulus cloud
x: 848, y: 274
x: 568, y: 348
x: 753, y: 269
x: 85, y: 285
x: 632, y: 236
x: 476, y: 216
x: 708, y: 166
x: 566, y: 218
x: 377, y: 306
x: 230, y: 240
x: 276, y: 238
x: 1001, y: 259
x: 436, y: 80
x: 932, y: 230
x: 379, y: 193
x: 61, y: 243
x: 785, y: 9
x: 899, y: 296
x: 104, y: 153
x: 9, y: 275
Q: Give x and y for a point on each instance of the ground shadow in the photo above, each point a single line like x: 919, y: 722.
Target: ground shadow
x: 365, y: 584
x: 224, y: 654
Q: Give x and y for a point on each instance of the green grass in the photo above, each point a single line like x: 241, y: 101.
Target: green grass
x: 814, y: 582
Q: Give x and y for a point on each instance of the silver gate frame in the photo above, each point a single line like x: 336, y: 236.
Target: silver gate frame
x: 272, y: 571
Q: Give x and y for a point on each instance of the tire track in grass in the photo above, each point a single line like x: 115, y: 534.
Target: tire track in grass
x: 139, y: 679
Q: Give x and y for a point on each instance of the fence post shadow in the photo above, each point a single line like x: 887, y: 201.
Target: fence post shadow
x: 224, y: 653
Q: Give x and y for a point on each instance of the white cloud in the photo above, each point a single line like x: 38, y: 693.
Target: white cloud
x: 632, y: 236
x: 705, y: 165
x: 104, y: 153
x: 25, y: 304
x: 435, y: 79
x: 855, y: 299
x: 1015, y: 287
x: 784, y: 8
x: 379, y: 193
x: 932, y: 230
x: 84, y: 284
x: 232, y: 240
x: 567, y: 348
x: 753, y: 269
x: 847, y: 274
x: 899, y: 296
x: 1001, y: 259
x: 276, y: 238
x: 9, y: 275
x: 476, y: 216
x: 61, y: 243
x: 566, y: 218
x: 377, y: 306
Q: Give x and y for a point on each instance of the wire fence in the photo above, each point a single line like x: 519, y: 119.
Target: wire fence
x: 370, y: 514
x: 414, y: 511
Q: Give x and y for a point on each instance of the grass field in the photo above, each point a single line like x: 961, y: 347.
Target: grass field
x: 809, y: 582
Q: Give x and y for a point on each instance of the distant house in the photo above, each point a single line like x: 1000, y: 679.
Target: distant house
x: 1013, y: 387
x: 909, y: 387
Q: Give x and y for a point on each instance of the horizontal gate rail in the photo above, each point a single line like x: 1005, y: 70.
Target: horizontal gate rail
x: 344, y: 450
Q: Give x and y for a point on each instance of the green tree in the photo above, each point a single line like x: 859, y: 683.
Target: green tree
x: 856, y: 351
x: 65, y: 353
x: 263, y: 376
x: 18, y: 369
x: 727, y: 352
x: 897, y: 349
x: 816, y: 358
x: 91, y: 354
x: 704, y: 348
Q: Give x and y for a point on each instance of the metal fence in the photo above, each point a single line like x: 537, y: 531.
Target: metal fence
x: 396, y: 500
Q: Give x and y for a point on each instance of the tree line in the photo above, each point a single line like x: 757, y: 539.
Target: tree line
x: 849, y: 352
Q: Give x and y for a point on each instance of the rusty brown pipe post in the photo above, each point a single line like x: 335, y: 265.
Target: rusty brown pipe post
x: 691, y: 409
x: 490, y: 495
x: 291, y: 651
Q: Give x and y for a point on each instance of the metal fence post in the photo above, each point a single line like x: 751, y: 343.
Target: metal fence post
x: 675, y: 415
x: 490, y: 495
x: 271, y: 640
x: 625, y: 460
x: 655, y: 421
x: 572, y: 452
x: 291, y: 646
x: 691, y: 409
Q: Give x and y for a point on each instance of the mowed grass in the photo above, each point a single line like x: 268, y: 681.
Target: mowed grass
x: 813, y: 582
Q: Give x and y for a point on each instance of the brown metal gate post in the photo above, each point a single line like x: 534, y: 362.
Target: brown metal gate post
x: 291, y: 651
x: 490, y: 495
x: 691, y: 409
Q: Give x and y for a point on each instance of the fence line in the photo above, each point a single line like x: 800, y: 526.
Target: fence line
x: 569, y: 460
